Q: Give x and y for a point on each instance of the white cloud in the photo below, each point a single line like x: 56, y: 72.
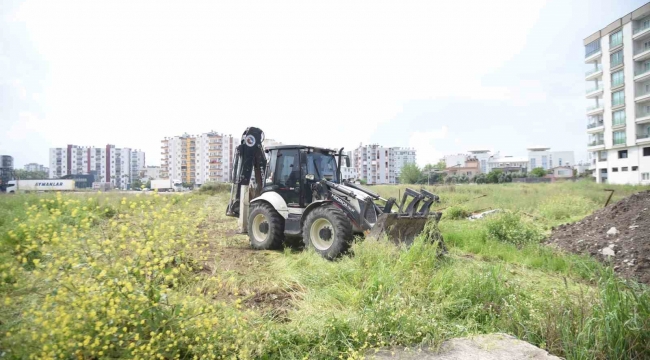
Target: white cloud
x: 425, y: 145
x: 130, y: 73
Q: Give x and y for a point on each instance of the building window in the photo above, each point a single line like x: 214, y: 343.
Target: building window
x: 618, y: 117
x: 624, y: 168
x: 619, y: 137
x: 622, y: 154
x: 645, y: 176
x: 618, y: 98
x: 646, y: 151
x: 616, y: 58
x: 616, y: 39
x: 635, y: 168
x: 614, y: 169
x: 618, y: 78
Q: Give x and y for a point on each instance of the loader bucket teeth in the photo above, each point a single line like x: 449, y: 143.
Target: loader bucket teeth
x: 404, y: 226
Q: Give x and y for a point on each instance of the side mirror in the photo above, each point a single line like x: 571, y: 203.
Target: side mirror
x: 309, y: 177
x: 347, y: 161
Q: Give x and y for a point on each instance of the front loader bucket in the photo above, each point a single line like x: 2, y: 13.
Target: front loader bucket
x: 400, y: 230
x: 404, y: 226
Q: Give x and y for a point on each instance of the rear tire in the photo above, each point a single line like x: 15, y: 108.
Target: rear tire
x: 265, y: 227
x: 328, y: 231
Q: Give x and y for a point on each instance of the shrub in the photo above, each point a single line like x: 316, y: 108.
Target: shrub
x: 214, y: 188
x: 493, y: 176
x: 456, y: 213
x: 480, y: 179
x: 509, y: 227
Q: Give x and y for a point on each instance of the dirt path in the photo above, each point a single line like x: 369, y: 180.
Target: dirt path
x: 247, y: 275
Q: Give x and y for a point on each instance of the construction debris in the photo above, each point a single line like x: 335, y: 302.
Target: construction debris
x: 483, y: 214
x: 618, y: 234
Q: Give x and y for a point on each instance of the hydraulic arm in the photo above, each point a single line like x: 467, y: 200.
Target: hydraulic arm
x: 249, y: 156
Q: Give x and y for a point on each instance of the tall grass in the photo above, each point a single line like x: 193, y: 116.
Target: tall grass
x: 189, y: 273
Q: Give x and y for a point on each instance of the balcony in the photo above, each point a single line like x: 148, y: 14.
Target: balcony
x: 593, y: 55
x: 595, y: 126
x: 641, y: 74
x: 643, y: 137
x: 642, y: 117
x: 594, y: 109
x: 641, y: 31
x: 642, y: 96
x: 596, y: 144
x: 594, y: 73
x: 642, y: 54
x: 593, y: 92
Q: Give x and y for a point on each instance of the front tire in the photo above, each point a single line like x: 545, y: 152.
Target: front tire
x: 328, y: 231
x: 265, y: 227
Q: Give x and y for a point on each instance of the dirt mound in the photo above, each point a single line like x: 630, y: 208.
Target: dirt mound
x: 619, y: 233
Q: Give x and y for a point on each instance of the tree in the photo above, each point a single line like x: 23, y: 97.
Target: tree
x: 440, y: 165
x: 410, y: 174
x: 538, y: 172
x: 136, y: 184
x: 148, y: 184
x: 31, y: 175
x: 480, y: 179
x: 493, y: 176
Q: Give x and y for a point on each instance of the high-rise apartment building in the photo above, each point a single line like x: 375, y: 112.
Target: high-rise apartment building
x: 376, y: 164
x: 197, y: 159
x: 109, y: 164
x: 618, y: 94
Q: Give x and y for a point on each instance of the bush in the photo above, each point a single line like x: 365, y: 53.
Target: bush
x: 480, y: 179
x: 509, y: 227
x: 493, y: 176
x: 214, y: 188
x: 538, y: 172
x: 456, y: 213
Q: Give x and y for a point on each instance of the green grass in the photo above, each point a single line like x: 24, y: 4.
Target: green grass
x: 495, y: 277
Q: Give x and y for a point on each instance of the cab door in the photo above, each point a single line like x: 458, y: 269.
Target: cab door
x: 287, y: 176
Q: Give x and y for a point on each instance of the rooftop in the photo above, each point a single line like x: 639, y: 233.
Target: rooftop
x: 510, y: 159
x: 538, y: 148
x: 634, y: 15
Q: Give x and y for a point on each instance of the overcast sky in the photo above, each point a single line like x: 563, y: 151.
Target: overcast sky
x: 440, y: 76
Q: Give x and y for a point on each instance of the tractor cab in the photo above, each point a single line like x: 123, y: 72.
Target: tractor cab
x: 292, y: 170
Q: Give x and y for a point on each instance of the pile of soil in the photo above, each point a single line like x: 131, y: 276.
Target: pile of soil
x: 618, y: 234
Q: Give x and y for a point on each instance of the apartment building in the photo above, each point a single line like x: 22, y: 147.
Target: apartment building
x: 376, y: 164
x: 150, y: 173
x: 543, y: 158
x: 484, y: 158
x: 402, y: 156
x: 109, y: 164
x: 510, y: 164
x: 618, y: 95
x: 197, y: 159
x: 34, y: 167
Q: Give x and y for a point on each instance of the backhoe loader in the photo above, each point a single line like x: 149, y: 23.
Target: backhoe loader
x: 297, y: 191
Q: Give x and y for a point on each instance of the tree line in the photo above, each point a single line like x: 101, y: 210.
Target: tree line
x: 432, y: 174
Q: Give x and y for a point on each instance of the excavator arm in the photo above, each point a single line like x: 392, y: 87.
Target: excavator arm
x: 249, y: 156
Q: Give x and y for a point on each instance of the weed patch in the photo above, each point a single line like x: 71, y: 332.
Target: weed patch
x: 510, y: 227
